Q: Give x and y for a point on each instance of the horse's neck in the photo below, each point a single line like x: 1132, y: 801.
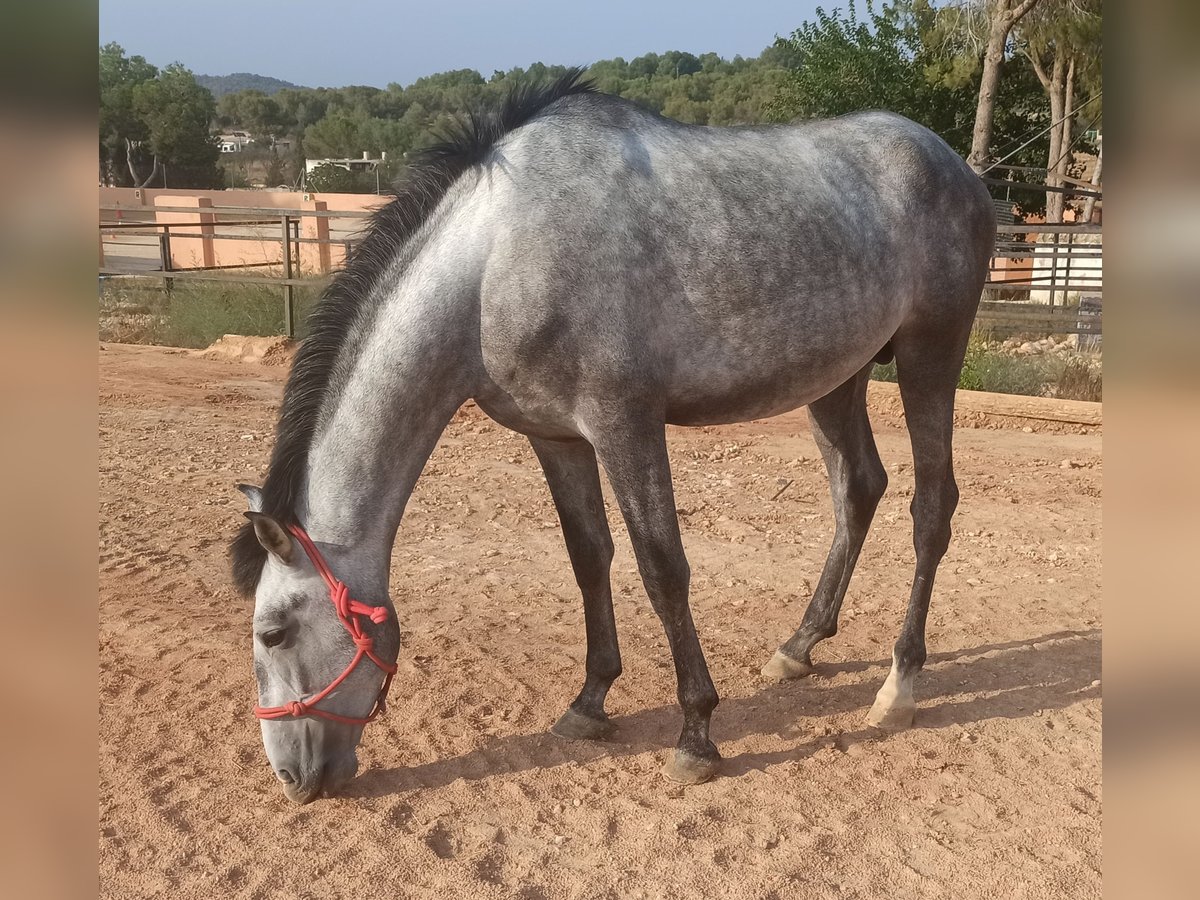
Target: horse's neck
x: 409, y: 375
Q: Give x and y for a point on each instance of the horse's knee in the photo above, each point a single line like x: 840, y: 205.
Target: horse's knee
x: 592, y: 561
x: 931, y: 512
x: 864, y: 492
x: 667, y: 577
x: 602, y: 549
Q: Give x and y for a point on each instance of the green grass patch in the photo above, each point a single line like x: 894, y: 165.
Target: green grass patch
x: 196, y: 314
x: 988, y: 368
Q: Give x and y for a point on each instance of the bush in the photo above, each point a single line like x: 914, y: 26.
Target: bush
x: 1079, y: 381
x: 986, y: 369
x: 330, y: 178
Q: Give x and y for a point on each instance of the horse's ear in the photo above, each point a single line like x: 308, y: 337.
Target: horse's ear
x: 273, y: 536
x: 254, y: 495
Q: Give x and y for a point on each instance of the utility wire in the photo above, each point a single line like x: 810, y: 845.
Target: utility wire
x: 1085, y: 130
x: 1087, y: 102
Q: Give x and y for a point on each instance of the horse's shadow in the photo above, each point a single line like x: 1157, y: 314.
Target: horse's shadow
x: 1013, y: 679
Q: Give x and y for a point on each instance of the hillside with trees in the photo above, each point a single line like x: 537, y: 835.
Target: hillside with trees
x: 345, y: 122
x: 220, y: 85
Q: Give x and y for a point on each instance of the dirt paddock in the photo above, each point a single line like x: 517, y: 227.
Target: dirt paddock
x: 462, y: 792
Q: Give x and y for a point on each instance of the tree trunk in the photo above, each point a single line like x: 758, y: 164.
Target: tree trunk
x: 138, y: 181
x: 1001, y: 20
x: 1054, y: 85
x: 989, y: 84
x: 155, y: 170
x: 1090, y: 205
x: 1064, y: 158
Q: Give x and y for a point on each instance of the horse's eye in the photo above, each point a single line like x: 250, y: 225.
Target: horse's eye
x: 273, y: 638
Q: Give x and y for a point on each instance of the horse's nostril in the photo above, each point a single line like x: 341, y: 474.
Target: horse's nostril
x: 285, y: 776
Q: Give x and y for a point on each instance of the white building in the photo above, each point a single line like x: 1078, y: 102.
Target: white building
x: 234, y: 141
x: 350, y: 164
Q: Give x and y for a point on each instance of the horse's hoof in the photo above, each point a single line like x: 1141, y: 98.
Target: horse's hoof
x: 782, y: 667
x: 896, y: 715
x: 575, y: 726
x: 684, y: 768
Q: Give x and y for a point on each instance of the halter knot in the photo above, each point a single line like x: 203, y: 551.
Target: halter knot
x: 340, y: 595
x: 378, y: 615
x: 363, y: 642
x: 296, y: 709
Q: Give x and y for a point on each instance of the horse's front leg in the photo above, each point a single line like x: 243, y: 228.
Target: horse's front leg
x: 634, y: 454
x: 574, y: 481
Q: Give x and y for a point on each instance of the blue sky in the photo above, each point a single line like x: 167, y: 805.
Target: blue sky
x: 332, y: 44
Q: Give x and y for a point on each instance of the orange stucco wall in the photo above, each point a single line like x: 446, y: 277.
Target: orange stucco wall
x: 208, y: 249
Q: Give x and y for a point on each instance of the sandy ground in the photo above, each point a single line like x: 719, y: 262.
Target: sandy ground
x: 462, y: 792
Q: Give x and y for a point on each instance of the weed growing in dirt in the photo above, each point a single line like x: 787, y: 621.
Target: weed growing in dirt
x: 195, y: 315
x: 1076, y: 380
x: 987, y: 367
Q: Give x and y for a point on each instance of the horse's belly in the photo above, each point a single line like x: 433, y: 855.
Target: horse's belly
x: 748, y: 399
x: 720, y: 384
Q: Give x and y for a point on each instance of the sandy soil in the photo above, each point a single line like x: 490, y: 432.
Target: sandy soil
x: 463, y: 793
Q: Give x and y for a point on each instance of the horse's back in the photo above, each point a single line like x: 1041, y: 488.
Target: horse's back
x: 738, y: 216
x: 741, y: 271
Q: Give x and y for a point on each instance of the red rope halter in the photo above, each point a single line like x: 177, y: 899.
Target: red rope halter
x: 349, y: 612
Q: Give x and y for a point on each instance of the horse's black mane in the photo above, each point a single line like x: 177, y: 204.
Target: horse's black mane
x: 416, y: 195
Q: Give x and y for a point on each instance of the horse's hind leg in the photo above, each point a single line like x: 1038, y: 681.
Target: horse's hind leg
x: 634, y: 455
x: 857, y: 481
x: 927, y: 383
x: 574, y: 481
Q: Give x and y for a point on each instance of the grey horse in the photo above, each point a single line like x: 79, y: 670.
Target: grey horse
x: 588, y: 271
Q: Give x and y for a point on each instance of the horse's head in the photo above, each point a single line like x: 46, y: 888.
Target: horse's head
x: 321, y: 658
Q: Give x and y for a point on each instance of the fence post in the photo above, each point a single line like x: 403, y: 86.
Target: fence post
x: 316, y: 252
x: 1053, y: 268
x: 164, y: 255
x: 289, y: 314
x: 203, y: 221
x: 1067, y: 272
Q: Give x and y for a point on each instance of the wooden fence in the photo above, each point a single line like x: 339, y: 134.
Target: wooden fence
x: 1033, y: 273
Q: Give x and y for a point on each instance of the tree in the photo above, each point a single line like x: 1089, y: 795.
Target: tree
x: 153, y: 122
x: 1000, y: 17
x: 276, y: 173
x: 780, y: 55
x: 229, y: 109
x: 122, y: 130
x: 676, y: 63
x: 1064, y: 44
x: 303, y: 106
x: 1016, y: 113
x: 261, y: 116
x: 644, y: 66
x: 879, y: 62
x: 336, y: 136
x: 916, y: 59
x: 178, y: 114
